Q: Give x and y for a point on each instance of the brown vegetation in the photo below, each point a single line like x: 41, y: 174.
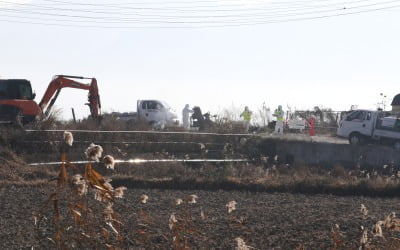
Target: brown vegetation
x: 80, y: 204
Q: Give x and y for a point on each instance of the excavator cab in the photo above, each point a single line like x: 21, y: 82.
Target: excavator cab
x: 16, y: 89
x: 12, y: 92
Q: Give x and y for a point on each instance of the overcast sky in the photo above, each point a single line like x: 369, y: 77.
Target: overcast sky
x: 215, y: 54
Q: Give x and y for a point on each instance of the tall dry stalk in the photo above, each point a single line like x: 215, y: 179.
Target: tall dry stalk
x: 83, y: 212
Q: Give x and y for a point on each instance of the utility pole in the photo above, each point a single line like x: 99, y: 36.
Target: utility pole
x: 383, y: 101
x: 264, y: 109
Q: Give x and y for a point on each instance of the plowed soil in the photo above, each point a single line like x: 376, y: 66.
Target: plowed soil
x: 262, y: 220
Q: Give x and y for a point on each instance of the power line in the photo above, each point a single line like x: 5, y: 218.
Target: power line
x: 188, y: 8
x: 189, y: 27
x: 241, y: 9
x: 254, y: 16
x: 181, y: 4
x: 161, y: 15
x: 118, y: 22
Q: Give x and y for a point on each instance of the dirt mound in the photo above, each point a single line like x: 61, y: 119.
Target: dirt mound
x: 13, y: 169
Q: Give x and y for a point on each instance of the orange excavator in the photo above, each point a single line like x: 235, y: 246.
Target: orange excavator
x: 17, y: 99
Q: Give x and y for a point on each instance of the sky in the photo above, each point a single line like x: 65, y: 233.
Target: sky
x: 272, y: 55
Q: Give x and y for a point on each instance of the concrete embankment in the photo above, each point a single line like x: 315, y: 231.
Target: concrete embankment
x: 326, y: 153
x: 130, y: 144
x: 290, y: 148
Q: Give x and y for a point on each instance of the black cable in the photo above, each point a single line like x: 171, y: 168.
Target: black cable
x: 263, y: 13
x: 158, y: 8
x: 253, y: 17
x: 270, y: 10
x: 220, y: 24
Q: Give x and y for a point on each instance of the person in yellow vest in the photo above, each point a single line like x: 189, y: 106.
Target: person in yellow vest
x: 246, y: 114
x: 279, y: 120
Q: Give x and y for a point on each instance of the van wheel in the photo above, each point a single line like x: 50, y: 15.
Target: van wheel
x: 396, y: 145
x: 355, y: 139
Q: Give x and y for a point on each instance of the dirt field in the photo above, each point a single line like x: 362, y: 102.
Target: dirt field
x: 262, y: 220
x: 300, y: 218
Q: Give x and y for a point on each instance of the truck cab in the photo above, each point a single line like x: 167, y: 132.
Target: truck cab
x: 357, y: 125
x: 156, y: 112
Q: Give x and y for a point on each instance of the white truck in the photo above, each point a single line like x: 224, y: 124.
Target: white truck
x: 156, y: 112
x: 363, y: 126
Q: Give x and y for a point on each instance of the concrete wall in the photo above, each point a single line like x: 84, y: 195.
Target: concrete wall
x: 329, y: 154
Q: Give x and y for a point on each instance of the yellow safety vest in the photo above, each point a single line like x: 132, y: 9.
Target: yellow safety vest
x: 279, y: 115
x: 246, y: 115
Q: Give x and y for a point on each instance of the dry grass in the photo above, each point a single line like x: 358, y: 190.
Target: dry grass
x: 241, y: 176
x: 266, y: 177
x: 81, y: 220
x: 111, y: 123
x: 14, y: 170
x: 84, y: 204
x: 208, y: 176
x: 84, y: 207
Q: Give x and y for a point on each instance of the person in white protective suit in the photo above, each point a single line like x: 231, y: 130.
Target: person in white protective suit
x: 185, y: 116
x: 279, y: 120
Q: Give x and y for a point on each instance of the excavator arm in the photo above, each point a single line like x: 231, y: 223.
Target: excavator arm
x: 64, y: 81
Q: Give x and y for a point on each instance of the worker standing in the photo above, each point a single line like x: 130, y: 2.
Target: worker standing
x: 246, y: 114
x: 279, y: 120
x: 185, y: 116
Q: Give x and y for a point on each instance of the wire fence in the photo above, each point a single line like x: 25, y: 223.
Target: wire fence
x: 326, y: 121
x: 141, y: 161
